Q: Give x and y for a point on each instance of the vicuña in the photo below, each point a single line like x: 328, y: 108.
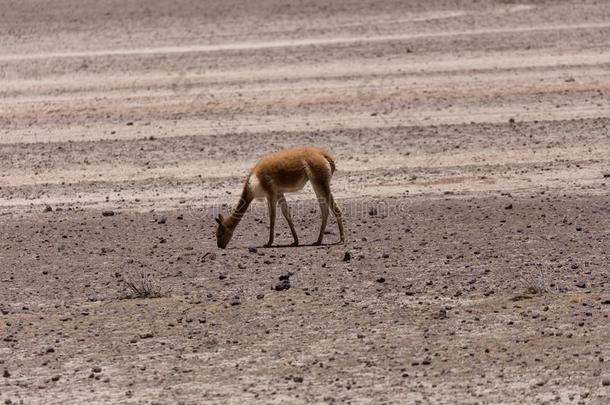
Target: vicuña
x: 285, y: 172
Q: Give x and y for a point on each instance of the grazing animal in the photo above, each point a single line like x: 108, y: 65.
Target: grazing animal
x: 282, y: 172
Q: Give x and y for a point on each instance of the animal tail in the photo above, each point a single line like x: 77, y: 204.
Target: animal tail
x: 331, y: 161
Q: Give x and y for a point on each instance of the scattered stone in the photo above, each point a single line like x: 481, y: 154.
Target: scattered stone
x: 298, y: 379
x: 347, y: 257
x: 252, y: 250
x: 235, y: 301
x: 108, y: 213
x: 129, y: 124
x: 372, y: 211
x: 96, y: 369
x: 47, y: 208
x: 581, y: 284
x: 511, y: 120
x: 606, y: 175
x: 222, y: 276
x: 380, y: 280
x: 162, y: 220
x: 540, y: 383
x: 509, y: 207
x: 426, y: 361
x: 285, y: 276
x: 55, y: 378
x: 606, y: 302
x: 147, y: 335
x: 606, y: 382
x: 282, y: 285
x: 260, y: 296
x: 6, y: 374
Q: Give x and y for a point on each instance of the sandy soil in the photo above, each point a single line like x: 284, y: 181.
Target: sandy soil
x: 473, y: 149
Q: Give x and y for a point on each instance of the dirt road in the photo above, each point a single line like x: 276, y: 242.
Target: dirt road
x: 473, y: 149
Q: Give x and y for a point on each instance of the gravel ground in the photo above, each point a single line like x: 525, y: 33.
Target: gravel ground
x: 472, y: 144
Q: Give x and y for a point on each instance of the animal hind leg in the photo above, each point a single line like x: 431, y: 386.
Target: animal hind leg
x: 322, y: 193
x: 338, y: 217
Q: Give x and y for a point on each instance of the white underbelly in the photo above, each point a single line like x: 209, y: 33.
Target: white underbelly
x: 297, y: 187
x: 259, y: 192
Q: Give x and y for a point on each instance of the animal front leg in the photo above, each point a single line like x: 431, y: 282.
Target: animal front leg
x: 271, y: 203
x: 286, y: 212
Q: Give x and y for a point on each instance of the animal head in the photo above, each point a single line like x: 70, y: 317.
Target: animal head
x: 223, y: 233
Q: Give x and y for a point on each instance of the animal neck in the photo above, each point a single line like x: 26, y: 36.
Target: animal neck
x: 242, y: 206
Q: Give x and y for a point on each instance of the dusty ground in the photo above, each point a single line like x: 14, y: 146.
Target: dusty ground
x: 473, y: 147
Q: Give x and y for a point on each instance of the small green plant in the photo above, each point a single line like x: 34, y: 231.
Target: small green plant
x: 142, y: 285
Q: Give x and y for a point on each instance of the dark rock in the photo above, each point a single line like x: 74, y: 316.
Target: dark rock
x: 6, y: 374
x: 285, y: 276
x: 380, y: 280
x: 605, y: 302
x: 282, y: 285
x: 235, y: 301
x: 509, y: 207
x: 347, y: 257
x: 260, y: 296
x: 581, y: 284
x: 252, y: 250
x: 47, y: 208
x: 162, y: 220
x: 222, y: 276
x: 55, y: 378
x: 96, y: 369
x: 298, y: 379
x: 108, y: 213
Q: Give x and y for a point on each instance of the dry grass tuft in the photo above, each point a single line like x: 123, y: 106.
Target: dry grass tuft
x: 142, y: 285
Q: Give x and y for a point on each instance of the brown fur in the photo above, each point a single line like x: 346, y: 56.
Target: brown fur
x: 284, y: 172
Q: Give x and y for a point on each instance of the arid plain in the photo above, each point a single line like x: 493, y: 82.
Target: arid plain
x: 472, y: 141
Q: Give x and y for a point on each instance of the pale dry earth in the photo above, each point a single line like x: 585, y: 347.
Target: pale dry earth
x: 473, y: 149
